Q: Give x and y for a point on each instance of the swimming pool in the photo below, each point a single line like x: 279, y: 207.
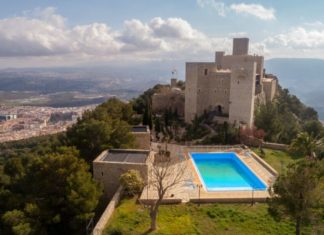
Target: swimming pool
x: 225, y: 171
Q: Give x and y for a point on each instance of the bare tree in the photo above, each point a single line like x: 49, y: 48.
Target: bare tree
x: 167, y: 172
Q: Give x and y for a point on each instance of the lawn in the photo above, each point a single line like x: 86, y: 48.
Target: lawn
x: 276, y: 158
x: 132, y: 218
x: 232, y: 219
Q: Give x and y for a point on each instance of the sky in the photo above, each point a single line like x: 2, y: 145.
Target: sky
x: 43, y: 33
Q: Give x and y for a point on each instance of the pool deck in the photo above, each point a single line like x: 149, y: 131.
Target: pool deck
x: 191, y: 190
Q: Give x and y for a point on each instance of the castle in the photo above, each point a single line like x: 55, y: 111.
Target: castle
x: 169, y: 98
x: 230, y: 87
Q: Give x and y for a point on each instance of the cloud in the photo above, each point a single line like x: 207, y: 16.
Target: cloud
x: 256, y: 10
x: 218, y: 6
x: 222, y: 9
x: 44, y: 33
x: 305, y: 40
x: 298, y: 38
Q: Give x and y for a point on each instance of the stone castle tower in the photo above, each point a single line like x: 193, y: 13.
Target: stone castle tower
x: 229, y: 87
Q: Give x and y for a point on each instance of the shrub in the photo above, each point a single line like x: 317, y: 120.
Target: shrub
x: 132, y: 182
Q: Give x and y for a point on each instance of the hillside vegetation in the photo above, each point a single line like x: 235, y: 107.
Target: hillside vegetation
x: 285, y: 117
x: 46, y: 185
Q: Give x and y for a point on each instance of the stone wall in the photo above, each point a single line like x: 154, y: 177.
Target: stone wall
x: 142, y: 140
x: 275, y: 146
x: 269, y: 88
x: 206, y: 89
x: 242, y: 93
x: 191, y: 91
x: 229, y: 60
x: 213, y: 91
x: 108, y: 173
x: 106, y: 215
x: 254, y: 142
x: 240, y: 46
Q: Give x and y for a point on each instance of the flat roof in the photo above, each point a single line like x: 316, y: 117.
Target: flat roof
x: 128, y: 156
x: 139, y: 129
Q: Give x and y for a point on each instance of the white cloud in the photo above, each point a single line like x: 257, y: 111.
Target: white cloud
x: 222, y: 9
x: 173, y: 28
x: 44, y: 33
x: 218, y: 6
x: 299, y: 38
x: 256, y: 10
x: 94, y: 39
x: 306, y: 40
x: 21, y: 36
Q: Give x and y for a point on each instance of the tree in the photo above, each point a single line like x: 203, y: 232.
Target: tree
x: 157, y: 127
x: 55, y: 195
x: 93, y: 136
x: 147, y: 116
x: 107, y: 126
x: 167, y: 173
x: 266, y: 118
x: 132, y: 182
x: 297, y: 193
x: 305, y: 144
x: 285, y: 117
x: 314, y: 128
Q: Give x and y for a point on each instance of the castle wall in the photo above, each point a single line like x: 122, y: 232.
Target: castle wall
x: 242, y: 93
x: 229, y: 60
x: 171, y: 99
x: 269, y: 88
x: 213, y: 91
x: 240, y: 46
x: 191, y: 91
x: 206, y: 89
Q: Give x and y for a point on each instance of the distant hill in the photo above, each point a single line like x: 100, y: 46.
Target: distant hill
x: 62, y: 87
x: 303, y: 77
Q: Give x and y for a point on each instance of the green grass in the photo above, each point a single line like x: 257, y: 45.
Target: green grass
x: 277, y: 158
x: 231, y: 219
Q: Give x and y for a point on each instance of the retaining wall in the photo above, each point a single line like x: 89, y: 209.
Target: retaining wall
x: 100, y: 226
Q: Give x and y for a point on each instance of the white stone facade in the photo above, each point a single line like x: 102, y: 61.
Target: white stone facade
x: 229, y: 86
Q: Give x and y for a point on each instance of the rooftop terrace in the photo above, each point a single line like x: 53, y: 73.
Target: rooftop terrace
x: 127, y: 156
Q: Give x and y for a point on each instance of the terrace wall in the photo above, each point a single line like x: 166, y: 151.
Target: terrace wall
x: 108, y: 173
x: 100, y: 226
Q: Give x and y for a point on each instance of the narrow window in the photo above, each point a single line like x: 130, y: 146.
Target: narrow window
x: 206, y: 72
x: 102, y: 173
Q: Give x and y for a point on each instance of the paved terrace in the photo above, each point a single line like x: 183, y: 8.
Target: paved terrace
x: 188, y: 189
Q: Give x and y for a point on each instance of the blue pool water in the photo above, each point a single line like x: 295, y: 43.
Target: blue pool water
x: 225, y: 171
